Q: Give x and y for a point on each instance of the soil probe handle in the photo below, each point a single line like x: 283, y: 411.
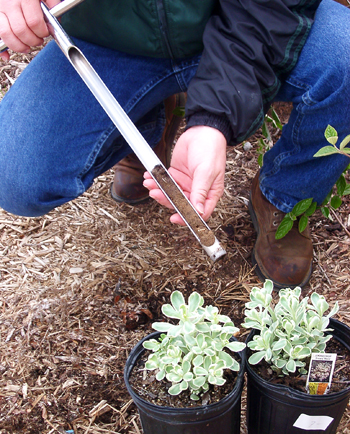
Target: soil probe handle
x: 56, y: 11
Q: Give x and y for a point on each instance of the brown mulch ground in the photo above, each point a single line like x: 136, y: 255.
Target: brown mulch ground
x: 81, y: 285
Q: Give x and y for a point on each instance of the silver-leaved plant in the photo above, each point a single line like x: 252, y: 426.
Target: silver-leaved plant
x: 191, y: 354
x: 290, y: 330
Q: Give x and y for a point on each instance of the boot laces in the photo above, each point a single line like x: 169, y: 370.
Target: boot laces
x: 278, y: 217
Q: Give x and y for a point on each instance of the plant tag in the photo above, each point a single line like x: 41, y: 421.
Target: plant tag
x: 320, y: 374
x: 312, y: 423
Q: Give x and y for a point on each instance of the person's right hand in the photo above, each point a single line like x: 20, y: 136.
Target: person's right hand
x: 22, y: 24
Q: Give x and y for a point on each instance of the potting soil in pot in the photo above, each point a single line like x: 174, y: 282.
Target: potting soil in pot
x: 146, y: 386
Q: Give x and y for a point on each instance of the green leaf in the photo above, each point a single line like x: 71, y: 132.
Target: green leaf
x: 174, y: 378
x: 326, y: 150
x: 290, y: 366
x: 151, y: 365
x: 311, y: 209
x: 334, y: 310
x: 325, y: 211
x: 228, y: 360
x: 199, y: 381
x: 341, y: 185
x: 303, y: 223
x: 170, y: 312
x: 235, y: 366
x: 220, y: 381
x: 280, y: 363
x: 284, y: 227
x: 302, y: 354
x: 184, y: 385
x: 336, y: 202
x: 260, y: 159
x: 179, y: 111
x: 160, y: 375
x: 198, y: 360
x: 151, y: 344
x: 327, y: 198
x: 301, y: 206
x: 188, y: 376
x: 264, y: 129
x: 194, y: 301
x: 347, y: 190
x: 175, y: 389
x: 331, y: 134
x: 255, y: 358
x: 190, y: 340
x: 235, y: 346
x: 203, y: 327
x: 162, y: 326
x: 177, y: 299
x: 186, y: 366
x: 198, y: 370
x: 277, y: 122
x: 344, y: 142
x: 189, y: 327
x: 279, y: 345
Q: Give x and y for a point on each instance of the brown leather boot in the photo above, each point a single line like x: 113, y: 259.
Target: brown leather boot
x: 128, y: 177
x: 288, y: 261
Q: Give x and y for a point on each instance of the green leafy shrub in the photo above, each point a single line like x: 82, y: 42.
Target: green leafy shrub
x: 307, y: 207
x: 290, y: 330
x: 191, y: 355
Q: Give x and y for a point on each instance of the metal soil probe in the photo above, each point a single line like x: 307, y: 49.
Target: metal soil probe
x: 134, y: 138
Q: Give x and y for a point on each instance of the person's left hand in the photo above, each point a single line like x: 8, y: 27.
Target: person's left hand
x: 198, y: 166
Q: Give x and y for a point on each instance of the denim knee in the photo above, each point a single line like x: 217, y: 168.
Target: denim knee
x: 23, y: 195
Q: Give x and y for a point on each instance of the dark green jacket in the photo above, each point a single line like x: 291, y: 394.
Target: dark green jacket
x: 156, y: 28
x: 248, y: 49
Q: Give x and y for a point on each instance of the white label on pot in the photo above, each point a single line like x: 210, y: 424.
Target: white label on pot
x: 313, y: 422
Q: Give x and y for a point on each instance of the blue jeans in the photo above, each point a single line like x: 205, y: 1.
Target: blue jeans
x: 56, y: 138
x: 319, y: 87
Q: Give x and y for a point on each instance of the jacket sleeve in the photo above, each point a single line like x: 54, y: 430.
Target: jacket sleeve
x: 250, y: 46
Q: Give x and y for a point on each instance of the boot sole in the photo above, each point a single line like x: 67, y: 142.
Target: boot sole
x: 120, y: 199
x: 257, y: 269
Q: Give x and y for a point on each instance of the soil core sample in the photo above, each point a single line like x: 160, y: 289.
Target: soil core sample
x: 205, y: 235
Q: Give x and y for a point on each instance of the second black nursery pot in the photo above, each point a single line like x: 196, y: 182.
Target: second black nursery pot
x: 222, y: 417
x: 277, y: 409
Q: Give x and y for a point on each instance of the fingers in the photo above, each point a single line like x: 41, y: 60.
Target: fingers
x: 157, y: 194
x: 51, y: 3
x: 207, y: 188
x: 35, y: 22
x: 22, y: 24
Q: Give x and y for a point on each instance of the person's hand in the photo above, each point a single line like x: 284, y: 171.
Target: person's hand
x: 198, y: 166
x: 22, y: 24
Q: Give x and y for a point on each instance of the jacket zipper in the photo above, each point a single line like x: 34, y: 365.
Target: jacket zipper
x: 164, y: 26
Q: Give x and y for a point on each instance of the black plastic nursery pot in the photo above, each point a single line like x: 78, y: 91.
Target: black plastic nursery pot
x: 277, y: 409
x: 222, y: 417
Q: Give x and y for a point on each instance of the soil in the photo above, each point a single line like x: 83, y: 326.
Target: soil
x: 341, y: 376
x: 80, y: 286
x: 146, y: 385
x: 180, y: 202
